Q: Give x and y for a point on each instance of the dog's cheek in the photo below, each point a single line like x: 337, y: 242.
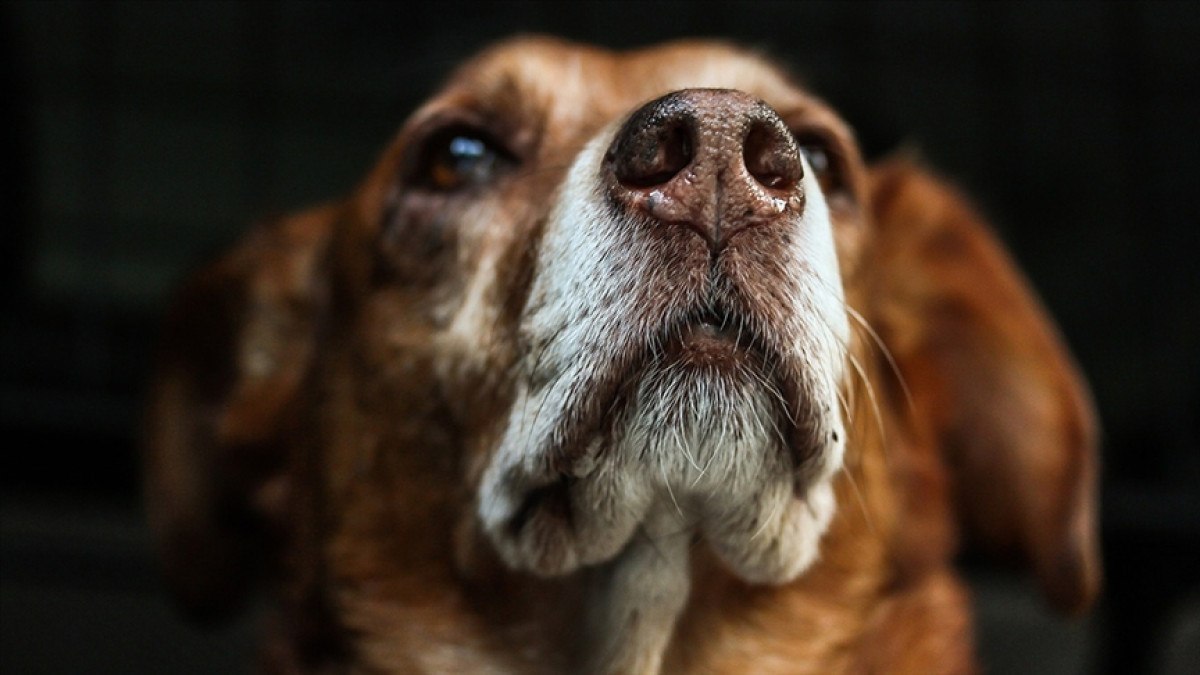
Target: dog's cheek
x: 417, y: 241
x: 442, y: 254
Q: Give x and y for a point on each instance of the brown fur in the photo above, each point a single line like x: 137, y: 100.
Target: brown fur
x: 318, y: 423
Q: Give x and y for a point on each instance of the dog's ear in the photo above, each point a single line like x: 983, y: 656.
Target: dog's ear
x: 235, y: 349
x: 991, y: 384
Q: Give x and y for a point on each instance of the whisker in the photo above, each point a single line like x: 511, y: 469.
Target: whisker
x: 887, y: 354
x: 862, y: 504
x: 662, y: 467
x: 870, y: 396
x: 767, y: 384
x: 704, y: 470
x: 861, y: 372
x: 841, y: 396
x: 683, y: 447
x: 876, y: 340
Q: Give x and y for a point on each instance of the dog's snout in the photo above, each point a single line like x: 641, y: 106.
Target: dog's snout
x: 715, y: 160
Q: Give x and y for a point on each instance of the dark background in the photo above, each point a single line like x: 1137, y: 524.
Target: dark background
x: 140, y: 138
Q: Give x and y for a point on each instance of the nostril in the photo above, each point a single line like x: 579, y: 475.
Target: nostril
x: 714, y: 161
x: 651, y: 155
x: 771, y: 158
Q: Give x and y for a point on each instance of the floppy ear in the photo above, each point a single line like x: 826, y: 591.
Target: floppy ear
x: 992, y: 385
x: 235, y: 348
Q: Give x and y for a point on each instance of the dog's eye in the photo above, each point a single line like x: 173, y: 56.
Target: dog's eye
x: 458, y: 158
x: 825, y: 162
x: 817, y: 158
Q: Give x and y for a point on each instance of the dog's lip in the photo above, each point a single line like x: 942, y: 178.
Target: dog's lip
x: 714, y: 331
x: 728, y: 340
x: 712, y: 324
x: 709, y: 323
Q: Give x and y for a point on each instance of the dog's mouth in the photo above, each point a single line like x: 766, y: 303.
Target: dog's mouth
x: 705, y: 351
x: 711, y: 337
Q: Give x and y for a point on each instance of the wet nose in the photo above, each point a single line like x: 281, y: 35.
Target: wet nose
x: 718, y: 161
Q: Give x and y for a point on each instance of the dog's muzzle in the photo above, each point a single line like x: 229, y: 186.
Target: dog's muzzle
x: 683, y: 342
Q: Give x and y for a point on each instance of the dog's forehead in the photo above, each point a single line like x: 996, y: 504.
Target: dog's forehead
x: 562, y: 82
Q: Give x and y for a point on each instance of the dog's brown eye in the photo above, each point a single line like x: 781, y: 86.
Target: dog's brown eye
x: 825, y: 162
x: 458, y: 158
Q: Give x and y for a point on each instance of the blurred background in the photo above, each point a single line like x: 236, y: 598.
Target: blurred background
x: 141, y: 138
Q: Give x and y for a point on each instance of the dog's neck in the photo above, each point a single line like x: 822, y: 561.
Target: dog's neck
x: 633, y: 608
x: 663, y: 605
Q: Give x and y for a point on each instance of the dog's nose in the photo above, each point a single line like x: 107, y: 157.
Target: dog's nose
x: 715, y: 160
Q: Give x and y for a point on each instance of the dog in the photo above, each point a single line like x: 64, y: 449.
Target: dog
x: 619, y: 363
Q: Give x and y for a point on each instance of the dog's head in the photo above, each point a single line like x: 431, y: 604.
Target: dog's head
x: 582, y: 290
